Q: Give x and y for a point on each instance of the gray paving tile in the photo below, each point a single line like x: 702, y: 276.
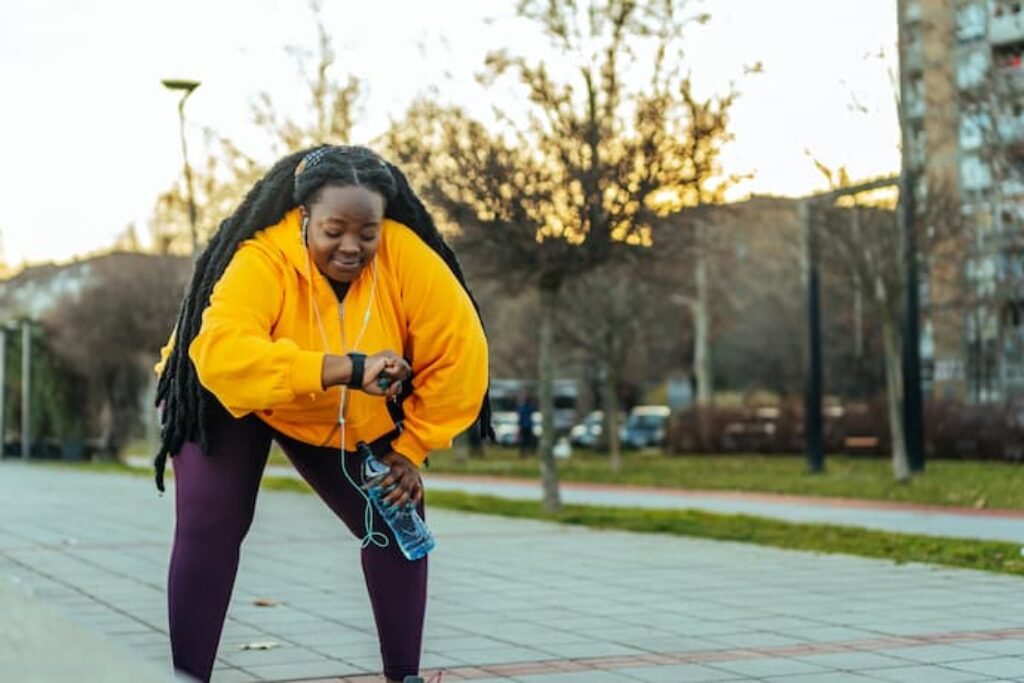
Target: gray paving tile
x: 246, y: 659
x: 932, y: 654
x: 852, y: 661
x: 997, y: 647
x: 578, y: 677
x: 429, y: 661
x: 232, y: 676
x: 677, y: 673
x: 998, y: 666
x: 347, y: 651
x: 504, y: 655
x: 755, y: 640
x: 590, y: 649
x: 299, y: 670
x: 829, y: 634
x: 835, y: 677
x: 925, y: 674
x: 767, y: 667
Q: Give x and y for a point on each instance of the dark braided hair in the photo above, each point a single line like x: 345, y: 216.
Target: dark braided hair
x: 187, y: 407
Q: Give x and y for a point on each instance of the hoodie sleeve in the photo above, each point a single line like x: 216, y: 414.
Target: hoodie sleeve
x: 234, y: 355
x: 447, y: 347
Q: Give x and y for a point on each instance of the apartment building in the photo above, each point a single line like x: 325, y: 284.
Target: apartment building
x: 962, y: 84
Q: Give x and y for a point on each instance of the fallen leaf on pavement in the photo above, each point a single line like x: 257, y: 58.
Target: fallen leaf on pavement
x: 266, y: 602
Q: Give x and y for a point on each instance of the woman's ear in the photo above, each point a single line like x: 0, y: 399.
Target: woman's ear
x: 305, y: 226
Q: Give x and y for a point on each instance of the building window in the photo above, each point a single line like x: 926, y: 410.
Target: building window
x: 1006, y: 8
x: 970, y: 23
x: 971, y: 68
x: 1012, y: 329
x: 975, y: 174
x: 1009, y: 59
x: 972, y: 131
x: 914, y: 97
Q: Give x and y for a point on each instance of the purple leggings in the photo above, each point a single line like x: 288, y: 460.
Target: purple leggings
x: 215, y: 497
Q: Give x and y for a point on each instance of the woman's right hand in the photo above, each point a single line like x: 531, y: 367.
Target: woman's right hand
x: 337, y: 370
x: 387, y: 363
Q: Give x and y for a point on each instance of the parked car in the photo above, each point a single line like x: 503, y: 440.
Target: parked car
x: 588, y: 432
x: 645, y: 427
x: 506, y: 427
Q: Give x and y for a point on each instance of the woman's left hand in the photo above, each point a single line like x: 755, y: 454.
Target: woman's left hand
x: 405, y: 477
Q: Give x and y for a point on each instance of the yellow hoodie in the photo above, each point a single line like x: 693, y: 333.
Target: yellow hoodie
x: 260, y: 348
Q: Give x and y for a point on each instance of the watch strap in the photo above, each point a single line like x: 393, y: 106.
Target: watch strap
x: 355, y: 381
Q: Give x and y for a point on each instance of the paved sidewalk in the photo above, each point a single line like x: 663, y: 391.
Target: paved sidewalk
x: 511, y: 600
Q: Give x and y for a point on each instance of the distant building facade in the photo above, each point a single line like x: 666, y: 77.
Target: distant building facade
x: 962, y: 89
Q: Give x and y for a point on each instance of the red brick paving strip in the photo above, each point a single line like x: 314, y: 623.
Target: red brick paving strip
x: 481, y: 671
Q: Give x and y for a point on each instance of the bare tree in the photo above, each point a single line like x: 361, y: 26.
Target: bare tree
x: 110, y: 333
x: 863, y: 236
x: 607, y: 315
x: 581, y: 181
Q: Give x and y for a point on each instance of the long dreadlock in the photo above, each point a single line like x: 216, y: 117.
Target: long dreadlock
x: 188, y: 408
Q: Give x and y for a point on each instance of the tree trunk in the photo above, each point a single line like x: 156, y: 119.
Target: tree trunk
x: 894, y: 388
x: 548, y: 468
x: 611, y: 411
x: 701, y: 340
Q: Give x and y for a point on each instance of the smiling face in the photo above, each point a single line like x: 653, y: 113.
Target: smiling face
x: 344, y: 230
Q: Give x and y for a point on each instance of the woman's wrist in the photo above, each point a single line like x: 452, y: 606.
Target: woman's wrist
x: 336, y: 371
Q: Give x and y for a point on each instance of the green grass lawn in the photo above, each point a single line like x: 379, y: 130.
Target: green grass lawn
x: 993, y: 556
x: 945, y: 482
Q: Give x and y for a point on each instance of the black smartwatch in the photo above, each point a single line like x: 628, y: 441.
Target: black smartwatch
x: 355, y: 381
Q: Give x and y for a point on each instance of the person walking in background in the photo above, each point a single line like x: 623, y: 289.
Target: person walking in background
x: 525, y: 409
x: 327, y: 310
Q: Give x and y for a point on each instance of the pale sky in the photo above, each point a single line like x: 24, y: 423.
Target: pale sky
x: 89, y: 137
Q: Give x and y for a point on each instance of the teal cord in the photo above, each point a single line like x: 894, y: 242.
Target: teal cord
x: 372, y: 537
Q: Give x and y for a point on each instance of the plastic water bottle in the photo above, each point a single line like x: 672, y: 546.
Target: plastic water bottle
x: 408, y: 528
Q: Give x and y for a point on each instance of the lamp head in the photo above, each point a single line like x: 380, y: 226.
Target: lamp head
x: 180, y: 84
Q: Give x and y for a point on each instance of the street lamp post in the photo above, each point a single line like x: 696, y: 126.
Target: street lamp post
x: 186, y: 88
x: 3, y: 387
x: 813, y: 428
x: 26, y: 388
x: 913, y: 402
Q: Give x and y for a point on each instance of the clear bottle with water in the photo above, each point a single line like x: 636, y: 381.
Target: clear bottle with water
x: 408, y: 528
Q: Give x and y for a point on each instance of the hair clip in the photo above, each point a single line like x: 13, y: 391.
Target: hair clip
x: 312, y: 159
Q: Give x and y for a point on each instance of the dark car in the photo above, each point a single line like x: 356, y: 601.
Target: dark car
x: 646, y: 426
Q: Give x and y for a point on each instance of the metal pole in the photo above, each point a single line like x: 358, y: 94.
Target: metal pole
x: 3, y: 391
x: 188, y: 177
x: 913, y: 411
x: 26, y: 388
x: 813, y: 432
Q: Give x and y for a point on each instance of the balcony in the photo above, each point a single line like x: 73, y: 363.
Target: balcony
x: 1012, y: 188
x: 913, y: 58
x: 1012, y: 78
x: 915, y: 107
x: 1011, y: 130
x: 913, y: 11
x: 1006, y: 27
